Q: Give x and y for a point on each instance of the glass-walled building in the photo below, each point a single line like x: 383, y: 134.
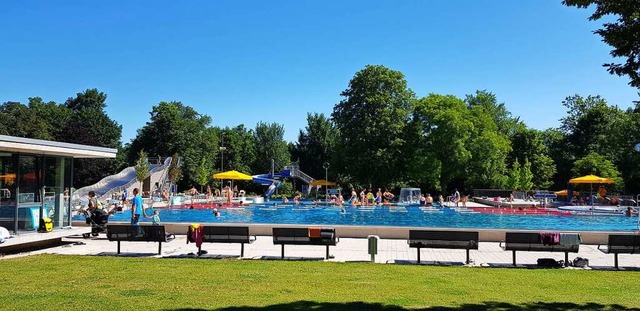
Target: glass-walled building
x: 36, y: 180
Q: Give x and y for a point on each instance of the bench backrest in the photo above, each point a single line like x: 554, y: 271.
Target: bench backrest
x: 443, y: 239
x: 443, y: 235
x: 522, y: 238
x: 291, y: 232
x: 301, y: 235
x: 624, y: 243
x: 225, y: 234
x: 136, y: 233
x: 530, y: 241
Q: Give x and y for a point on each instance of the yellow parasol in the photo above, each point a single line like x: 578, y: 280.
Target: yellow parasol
x: 591, y: 179
x: 234, y: 175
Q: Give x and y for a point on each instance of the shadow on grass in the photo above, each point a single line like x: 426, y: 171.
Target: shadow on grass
x: 486, y: 306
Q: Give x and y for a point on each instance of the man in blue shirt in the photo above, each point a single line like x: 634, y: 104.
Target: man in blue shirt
x: 136, y: 207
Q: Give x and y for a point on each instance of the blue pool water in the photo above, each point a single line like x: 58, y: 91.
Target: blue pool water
x: 411, y: 216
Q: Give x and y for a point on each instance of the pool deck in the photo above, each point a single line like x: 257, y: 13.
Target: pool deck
x: 390, y: 251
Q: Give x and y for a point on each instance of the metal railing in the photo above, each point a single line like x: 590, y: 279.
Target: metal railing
x: 295, y: 172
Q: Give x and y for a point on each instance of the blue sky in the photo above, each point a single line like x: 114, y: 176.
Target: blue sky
x: 242, y: 62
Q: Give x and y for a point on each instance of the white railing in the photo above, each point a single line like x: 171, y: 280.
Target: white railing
x: 299, y: 174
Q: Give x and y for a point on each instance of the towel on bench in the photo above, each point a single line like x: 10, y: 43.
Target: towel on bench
x: 569, y: 239
x: 549, y: 238
x: 194, y: 234
x: 314, y: 232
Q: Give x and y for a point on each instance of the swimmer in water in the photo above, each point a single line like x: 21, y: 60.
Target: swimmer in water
x: 216, y: 213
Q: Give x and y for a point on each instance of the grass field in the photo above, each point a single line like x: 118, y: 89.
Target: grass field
x: 110, y: 283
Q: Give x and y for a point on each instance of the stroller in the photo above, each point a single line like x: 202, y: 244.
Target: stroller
x: 98, y: 220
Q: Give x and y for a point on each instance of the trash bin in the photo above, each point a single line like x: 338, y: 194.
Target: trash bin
x: 373, y: 246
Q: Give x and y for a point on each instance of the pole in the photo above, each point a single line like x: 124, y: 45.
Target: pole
x: 222, y: 149
x: 326, y: 179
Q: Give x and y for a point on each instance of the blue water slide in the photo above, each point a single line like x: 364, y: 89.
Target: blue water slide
x: 267, y: 179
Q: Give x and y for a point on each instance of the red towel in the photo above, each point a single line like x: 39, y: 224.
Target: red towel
x: 195, y: 235
x: 314, y: 232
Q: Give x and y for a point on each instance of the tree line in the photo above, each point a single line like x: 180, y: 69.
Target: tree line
x: 381, y: 134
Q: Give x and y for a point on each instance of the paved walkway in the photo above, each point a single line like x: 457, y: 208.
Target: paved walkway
x: 489, y: 254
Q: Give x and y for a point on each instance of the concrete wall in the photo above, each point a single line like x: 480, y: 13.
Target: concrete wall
x: 485, y: 235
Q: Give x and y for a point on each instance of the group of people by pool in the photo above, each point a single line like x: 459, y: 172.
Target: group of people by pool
x: 456, y: 198
x: 367, y: 198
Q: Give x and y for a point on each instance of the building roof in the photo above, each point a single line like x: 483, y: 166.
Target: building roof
x: 37, y: 146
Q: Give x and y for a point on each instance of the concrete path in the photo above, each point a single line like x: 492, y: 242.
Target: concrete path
x: 348, y: 250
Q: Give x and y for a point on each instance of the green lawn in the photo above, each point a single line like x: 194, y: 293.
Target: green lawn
x: 51, y: 282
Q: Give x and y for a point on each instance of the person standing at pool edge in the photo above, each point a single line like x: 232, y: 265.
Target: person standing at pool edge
x: 456, y: 197
x: 136, y: 207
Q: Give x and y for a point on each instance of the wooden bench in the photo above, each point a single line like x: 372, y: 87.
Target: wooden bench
x: 141, y: 233
x: 304, y: 236
x: 530, y: 242
x: 443, y: 239
x: 621, y: 244
x: 218, y: 234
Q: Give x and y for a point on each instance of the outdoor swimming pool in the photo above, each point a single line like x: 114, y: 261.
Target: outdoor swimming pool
x: 410, y: 216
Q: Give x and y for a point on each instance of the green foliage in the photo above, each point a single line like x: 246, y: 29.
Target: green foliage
x: 596, y: 164
x: 622, y: 34
x: 488, y: 146
x: 270, y: 144
x: 315, y: 145
x: 526, y: 177
x: 142, y: 167
x: 557, y: 143
x: 443, y: 131
x: 488, y: 102
x: 529, y: 144
x: 176, y: 128
x: 590, y: 123
x: 286, y: 189
x: 513, y: 181
x: 371, y: 120
x: 89, y: 99
x: 266, y: 285
x: 240, y: 153
x: 175, y: 171
x: 203, y: 173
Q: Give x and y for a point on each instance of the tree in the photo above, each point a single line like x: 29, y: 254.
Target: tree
x: 176, y: 128
x: 489, y: 147
x: 622, y: 34
x: 89, y: 99
x: 203, y: 172
x: 442, y: 131
x: 591, y: 125
x: 557, y: 143
x: 175, y: 172
x: 19, y: 120
x: 142, y: 167
x: 487, y: 101
x: 240, y: 149
x: 89, y: 124
x: 315, y: 144
x: 371, y: 120
x: 597, y: 164
x: 513, y: 181
x: 270, y: 144
x: 528, y: 145
x: 526, y: 177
